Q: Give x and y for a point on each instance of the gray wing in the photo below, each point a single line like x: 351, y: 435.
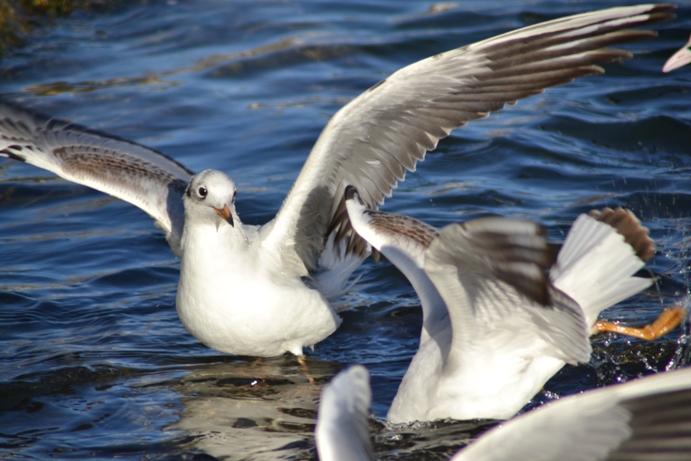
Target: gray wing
x: 645, y: 420
x: 342, y: 431
x: 376, y: 138
x: 134, y: 173
x: 491, y: 273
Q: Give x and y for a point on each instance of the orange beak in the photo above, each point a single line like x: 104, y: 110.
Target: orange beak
x: 225, y: 214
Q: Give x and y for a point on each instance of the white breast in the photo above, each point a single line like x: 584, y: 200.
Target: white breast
x: 231, y: 299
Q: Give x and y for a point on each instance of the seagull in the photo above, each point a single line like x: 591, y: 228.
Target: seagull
x: 264, y: 291
x: 495, y: 325
x: 648, y: 419
x: 679, y: 59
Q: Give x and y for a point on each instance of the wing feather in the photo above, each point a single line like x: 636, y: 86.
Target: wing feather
x: 646, y: 419
x: 129, y: 171
x: 342, y: 432
x: 398, y: 120
x: 491, y: 273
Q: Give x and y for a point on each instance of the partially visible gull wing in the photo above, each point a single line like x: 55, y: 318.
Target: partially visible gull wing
x: 342, y: 431
x: 134, y: 173
x: 645, y: 420
x: 491, y: 274
x: 372, y: 141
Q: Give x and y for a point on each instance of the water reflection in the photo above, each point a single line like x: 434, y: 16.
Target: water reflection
x: 254, y: 407
x: 266, y: 409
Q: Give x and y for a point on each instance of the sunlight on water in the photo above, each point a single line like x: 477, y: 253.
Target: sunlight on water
x: 95, y: 362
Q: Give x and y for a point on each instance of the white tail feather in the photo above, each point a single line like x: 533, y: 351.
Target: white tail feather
x: 595, y: 267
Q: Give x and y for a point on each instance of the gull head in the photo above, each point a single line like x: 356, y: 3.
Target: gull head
x: 210, y: 198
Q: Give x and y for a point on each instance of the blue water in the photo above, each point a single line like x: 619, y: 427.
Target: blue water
x: 94, y: 362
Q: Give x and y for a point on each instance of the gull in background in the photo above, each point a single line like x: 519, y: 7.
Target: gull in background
x: 648, y: 419
x: 495, y: 325
x: 265, y: 290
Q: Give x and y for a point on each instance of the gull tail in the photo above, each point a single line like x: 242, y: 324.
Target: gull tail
x: 601, y: 253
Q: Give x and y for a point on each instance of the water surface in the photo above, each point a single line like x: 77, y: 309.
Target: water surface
x: 94, y: 362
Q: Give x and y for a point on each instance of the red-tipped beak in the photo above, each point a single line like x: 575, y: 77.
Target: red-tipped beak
x: 225, y: 214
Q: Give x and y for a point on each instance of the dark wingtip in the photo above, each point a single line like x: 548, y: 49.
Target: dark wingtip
x: 350, y: 192
x: 628, y: 225
x: 9, y: 154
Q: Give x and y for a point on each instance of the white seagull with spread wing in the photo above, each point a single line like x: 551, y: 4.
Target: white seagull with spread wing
x: 265, y: 290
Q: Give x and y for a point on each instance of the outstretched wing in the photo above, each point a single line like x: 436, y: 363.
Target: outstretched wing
x: 134, y: 173
x: 647, y: 419
x: 491, y: 273
x: 372, y: 141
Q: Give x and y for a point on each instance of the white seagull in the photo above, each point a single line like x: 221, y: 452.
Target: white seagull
x: 495, y: 325
x: 648, y: 419
x: 265, y: 290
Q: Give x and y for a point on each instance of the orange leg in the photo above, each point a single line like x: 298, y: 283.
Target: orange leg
x: 667, y: 321
x: 305, y: 369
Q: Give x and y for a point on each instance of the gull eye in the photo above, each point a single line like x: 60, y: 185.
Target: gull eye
x: 233, y: 199
x: 202, y: 192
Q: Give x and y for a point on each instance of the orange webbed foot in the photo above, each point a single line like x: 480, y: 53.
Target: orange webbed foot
x: 668, y: 320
